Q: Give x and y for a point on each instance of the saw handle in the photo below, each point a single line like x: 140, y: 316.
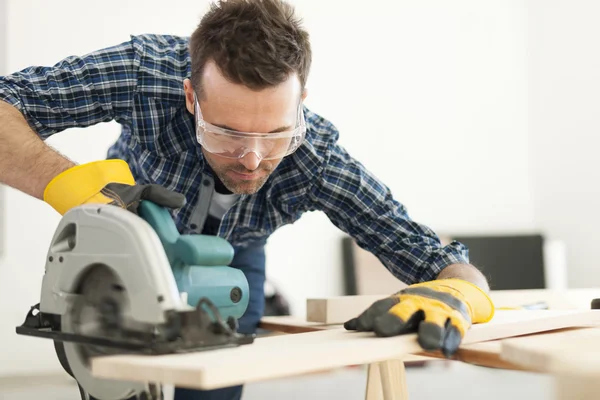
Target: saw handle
x: 200, y: 264
x: 188, y: 249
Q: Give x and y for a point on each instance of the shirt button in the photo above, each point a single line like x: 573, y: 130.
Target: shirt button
x: 206, y: 182
x: 193, y: 226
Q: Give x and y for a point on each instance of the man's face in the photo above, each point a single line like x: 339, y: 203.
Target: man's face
x: 236, y: 107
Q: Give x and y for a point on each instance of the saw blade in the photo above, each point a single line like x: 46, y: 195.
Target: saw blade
x: 100, y: 310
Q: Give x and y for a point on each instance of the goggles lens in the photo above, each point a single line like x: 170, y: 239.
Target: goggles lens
x: 233, y: 144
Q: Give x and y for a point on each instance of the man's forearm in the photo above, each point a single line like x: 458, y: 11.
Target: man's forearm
x: 467, y: 272
x: 26, y: 162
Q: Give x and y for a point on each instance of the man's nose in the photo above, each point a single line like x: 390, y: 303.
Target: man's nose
x: 251, y: 161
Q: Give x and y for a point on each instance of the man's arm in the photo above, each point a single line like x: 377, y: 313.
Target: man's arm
x: 445, y: 294
x: 467, y: 272
x: 358, y: 203
x: 37, y: 102
x: 26, y: 162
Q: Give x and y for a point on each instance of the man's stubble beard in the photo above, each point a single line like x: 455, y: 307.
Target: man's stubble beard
x: 247, y: 187
x: 241, y: 187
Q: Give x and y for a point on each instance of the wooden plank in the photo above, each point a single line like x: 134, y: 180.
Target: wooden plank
x: 572, y: 356
x: 267, y: 358
x: 288, y: 355
x: 292, y: 325
x: 515, y: 323
x: 339, y: 309
x: 570, y: 299
x: 485, y: 354
x: 289, y: 324
x: 552, y: 351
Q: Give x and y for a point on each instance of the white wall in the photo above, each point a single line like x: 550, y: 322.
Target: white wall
x: 431, y: 96
x: 565, y: 102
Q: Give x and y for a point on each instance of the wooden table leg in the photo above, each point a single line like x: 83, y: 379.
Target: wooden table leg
x: 393, y: 380
x: 387, y: 380
x: 374, y: 389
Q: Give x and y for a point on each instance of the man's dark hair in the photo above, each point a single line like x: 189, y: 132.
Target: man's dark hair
x: 257, y: 43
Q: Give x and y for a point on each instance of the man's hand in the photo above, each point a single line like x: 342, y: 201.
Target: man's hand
x: 440, y: 311
x: 105, y: 182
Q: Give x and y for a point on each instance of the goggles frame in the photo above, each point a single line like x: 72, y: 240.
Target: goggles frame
x: 296, y: 136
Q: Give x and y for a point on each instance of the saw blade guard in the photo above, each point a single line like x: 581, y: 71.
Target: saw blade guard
x: 104, y: 234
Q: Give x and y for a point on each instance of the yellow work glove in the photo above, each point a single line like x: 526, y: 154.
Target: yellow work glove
x: 105, y: 182
x: 440, y: 311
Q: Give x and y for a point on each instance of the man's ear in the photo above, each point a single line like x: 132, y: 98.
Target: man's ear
x: 304, y: 94
x: 189, y: 95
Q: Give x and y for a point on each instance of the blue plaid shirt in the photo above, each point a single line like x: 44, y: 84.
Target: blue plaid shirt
x: 139, y: 84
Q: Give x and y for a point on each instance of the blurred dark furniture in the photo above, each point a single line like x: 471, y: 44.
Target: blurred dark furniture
x: 508, y: 261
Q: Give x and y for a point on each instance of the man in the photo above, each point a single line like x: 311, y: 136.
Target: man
x: 214, y: 127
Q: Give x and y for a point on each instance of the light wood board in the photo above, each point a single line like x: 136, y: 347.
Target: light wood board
x: 288, y: 355
x: 572, y: 356
x: 267, y: 358
x: 485, y: 354
x: 560, y: 351
x: 339, y: 309
x: 289, y: 324
x: 568, y: 299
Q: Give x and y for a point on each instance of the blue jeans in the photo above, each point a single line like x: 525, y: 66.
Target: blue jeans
x: 252, y: 263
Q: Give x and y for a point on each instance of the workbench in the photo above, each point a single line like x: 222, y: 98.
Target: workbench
x: 299, y: 346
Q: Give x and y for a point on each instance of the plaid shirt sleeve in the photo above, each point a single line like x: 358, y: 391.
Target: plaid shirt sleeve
x: 79, y: 91
x: 362, y: 206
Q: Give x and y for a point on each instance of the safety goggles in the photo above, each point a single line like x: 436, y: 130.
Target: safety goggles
x: 235, y: 145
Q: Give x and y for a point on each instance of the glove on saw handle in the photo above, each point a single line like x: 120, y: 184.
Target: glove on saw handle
x: 440, y: 311
x: 105, y: 182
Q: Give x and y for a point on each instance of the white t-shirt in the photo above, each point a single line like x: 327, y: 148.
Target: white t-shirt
x: 220, y: 203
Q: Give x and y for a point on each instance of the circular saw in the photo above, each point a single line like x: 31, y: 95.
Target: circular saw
x: 120, y: 283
